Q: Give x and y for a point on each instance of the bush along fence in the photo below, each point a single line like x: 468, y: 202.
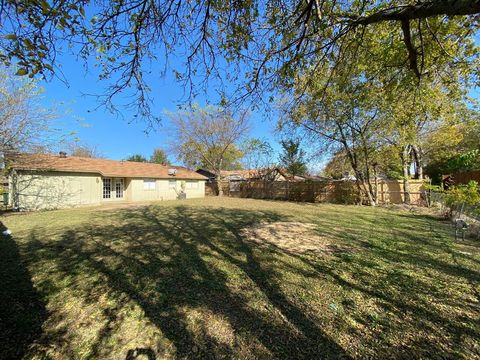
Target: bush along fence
x: 342, y: 192
x: 460, y: 204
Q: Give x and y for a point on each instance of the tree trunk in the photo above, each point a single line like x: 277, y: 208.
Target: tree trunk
x: 218, y: 178
x: 406, y: 174
x: 364, y: 187
x: 359, y: 187
x: 372, y: 198
x: 368, y: 190
x: 417, y: 155
x: 421, y: 10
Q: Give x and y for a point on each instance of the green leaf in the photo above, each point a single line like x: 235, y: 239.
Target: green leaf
x: 22, y: 72
x: 45, y: 6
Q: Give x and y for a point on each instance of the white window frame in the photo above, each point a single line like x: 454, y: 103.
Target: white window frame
x: 107, y: 189
x: 192, y: 185
x: 120, y: 182
x: 149, y: 184
x: 172, y: 184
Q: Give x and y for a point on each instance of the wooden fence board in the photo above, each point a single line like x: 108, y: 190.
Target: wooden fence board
x: 462, y: 178
x: 345, y: 192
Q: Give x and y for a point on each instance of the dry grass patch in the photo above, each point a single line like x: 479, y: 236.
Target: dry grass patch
x: 293, y: 237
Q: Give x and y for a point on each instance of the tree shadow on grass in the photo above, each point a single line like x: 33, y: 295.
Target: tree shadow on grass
x: 22, y: 312
x: 418, y: 245
x: 141, y: 353
x: 171, y: 260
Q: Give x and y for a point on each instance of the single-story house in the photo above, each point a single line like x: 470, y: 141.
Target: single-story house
x: 40, y: 181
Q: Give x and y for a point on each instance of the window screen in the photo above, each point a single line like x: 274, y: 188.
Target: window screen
x: 191, y: 185
x: 149, y: 184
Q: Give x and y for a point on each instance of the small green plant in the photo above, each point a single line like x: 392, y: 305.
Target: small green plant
x: 430, y: 187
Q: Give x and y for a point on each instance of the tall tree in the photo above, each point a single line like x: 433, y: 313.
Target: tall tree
x: 407, y: 114
x: 338, y: 166
x: 84, y: 150
x: 341, y: 113
x: 137, y: 158
x: 208, y: 136
x: 159, y: 156
x: 452, y: 146
x: 24, y: 124
x: 231, y: 159
x: 410, y: 114
x: 267, y: 41
x: 293, y: 158
x: 258, y: 154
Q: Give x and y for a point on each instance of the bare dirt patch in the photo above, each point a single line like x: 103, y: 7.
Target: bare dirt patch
x: 294, y: 237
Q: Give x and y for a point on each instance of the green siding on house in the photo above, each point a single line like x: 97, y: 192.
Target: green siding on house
x: 136, y: 191
x: 53, y: 189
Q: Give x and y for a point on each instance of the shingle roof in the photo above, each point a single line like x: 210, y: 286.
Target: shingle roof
x: 246, y: 174
x: 249, y: 174
x: 103, y: 167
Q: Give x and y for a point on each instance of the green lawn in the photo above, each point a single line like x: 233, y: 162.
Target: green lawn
x: 182, y: 279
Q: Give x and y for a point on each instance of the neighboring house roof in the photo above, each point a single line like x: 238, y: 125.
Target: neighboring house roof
x: 242, y: 174
x: 235, y: 175
x: 318, y: 178
x: 113, y: 168
x: 253, y: 174
x: 209, y: 174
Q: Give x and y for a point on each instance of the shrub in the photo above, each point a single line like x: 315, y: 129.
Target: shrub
x: 463, y: 194
x: 430, y: 187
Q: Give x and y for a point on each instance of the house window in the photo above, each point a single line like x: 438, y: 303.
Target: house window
x: 119, y: 188
x: 149, y: 184
x: 107, y: 188
x: 191, y: 185
x: 172, y: 184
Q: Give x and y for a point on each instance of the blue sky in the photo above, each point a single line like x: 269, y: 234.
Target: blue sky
x: 117, y: 138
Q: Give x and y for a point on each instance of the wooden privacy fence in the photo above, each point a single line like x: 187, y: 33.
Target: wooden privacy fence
x: 462, y: 178
x: 344, y: 192
x: 210, y: 189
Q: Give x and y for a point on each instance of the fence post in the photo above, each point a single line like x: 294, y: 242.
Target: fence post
x: 382, y: 195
